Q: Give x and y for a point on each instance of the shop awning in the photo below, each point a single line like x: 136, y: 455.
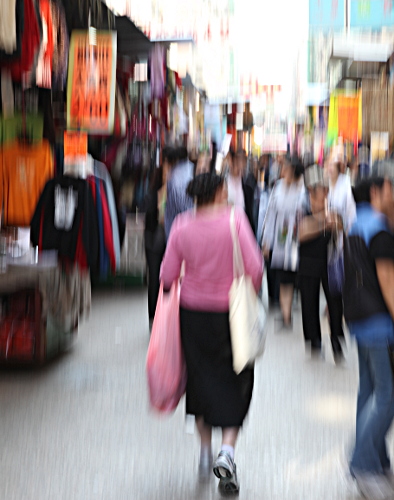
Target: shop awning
x: 132, y: 42
x: 359, y: 50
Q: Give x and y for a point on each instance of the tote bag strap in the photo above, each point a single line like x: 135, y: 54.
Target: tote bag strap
x: 238, y: 264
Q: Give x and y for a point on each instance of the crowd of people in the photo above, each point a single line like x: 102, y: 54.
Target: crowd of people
x: 310, y: 227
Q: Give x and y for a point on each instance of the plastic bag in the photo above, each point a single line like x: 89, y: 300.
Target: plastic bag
x: 165, y: 365
x: 335, y: 271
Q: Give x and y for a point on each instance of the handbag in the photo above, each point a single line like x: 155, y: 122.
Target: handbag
x: 165, y: 365
x: 248, y: 317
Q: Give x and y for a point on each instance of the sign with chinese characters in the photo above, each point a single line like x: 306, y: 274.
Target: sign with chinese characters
x: 91, y: 82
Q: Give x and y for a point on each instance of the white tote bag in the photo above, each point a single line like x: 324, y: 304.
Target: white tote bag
x: 248, y: 317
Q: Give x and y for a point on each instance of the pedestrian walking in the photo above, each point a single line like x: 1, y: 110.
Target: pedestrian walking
x: 280, y: 236
x: 241, y: 186
x: 369, y: 311
x: 178, y: 200
x: 316, y: 229
x: 215, y: 394
x: 154, y: 236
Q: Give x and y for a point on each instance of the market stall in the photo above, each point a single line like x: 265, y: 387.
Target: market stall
x: 30, y: 331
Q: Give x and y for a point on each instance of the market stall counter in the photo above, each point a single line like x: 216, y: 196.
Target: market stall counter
x: 30, y: 331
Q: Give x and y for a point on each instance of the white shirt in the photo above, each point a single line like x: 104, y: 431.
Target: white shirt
x: 340, y: 200
x: 280, y: 231
x: 235, y: 192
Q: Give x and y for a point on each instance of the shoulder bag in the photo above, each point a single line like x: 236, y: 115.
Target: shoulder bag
x: 248, y: 318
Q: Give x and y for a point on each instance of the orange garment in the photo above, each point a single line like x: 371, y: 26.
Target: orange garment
x: 348, y: 123
x: 24, y: 171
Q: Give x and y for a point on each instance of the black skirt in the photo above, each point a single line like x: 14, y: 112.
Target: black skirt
x: 213, y: 391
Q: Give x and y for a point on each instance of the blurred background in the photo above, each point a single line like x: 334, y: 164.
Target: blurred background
x: 93, y: 94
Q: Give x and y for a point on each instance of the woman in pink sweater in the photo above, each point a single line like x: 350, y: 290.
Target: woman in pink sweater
x: 214, y: 394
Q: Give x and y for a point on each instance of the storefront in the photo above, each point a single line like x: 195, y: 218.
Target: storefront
x: 87, y: 103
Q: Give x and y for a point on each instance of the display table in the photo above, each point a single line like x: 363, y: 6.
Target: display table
x: 28, y: 332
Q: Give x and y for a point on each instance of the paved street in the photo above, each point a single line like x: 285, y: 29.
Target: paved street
x: 81, y: 428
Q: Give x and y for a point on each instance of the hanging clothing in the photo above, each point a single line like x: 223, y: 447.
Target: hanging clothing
x: 19, y: 15
x: 65, y: 220
x: 107, y: 261
x: 22, y: 69
x: 61, y: 44
x: 157, y: 71
x: 13, y: 128
x: 45, y: 57
x: 8, y: 26
x: 100, y: 171
x: 45, y: 107
x: 108, y: 235
x: 7, y: 93
x: 24, y: 170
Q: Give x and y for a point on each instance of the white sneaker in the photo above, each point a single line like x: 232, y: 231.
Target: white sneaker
x: 375, y: 486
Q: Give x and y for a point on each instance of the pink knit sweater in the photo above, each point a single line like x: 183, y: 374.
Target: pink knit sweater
x: 204, y: 242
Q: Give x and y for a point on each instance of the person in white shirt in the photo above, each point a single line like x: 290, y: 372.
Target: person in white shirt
x: 280, y: 235
x: 340, y: 197
x: 340, y: 202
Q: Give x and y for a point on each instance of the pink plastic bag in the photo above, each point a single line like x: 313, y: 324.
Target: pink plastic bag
x: 165, y: 364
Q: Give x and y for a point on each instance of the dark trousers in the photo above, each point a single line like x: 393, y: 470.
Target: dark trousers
x: 155, y: 246
x: 153, y: 261
x: 310, y: 305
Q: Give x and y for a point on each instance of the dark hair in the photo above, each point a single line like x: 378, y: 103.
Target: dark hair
x: 362, y: 191
x: 204, y: 187
x: 182, y: 153
x: 169, y: 154
x: 297, y: 166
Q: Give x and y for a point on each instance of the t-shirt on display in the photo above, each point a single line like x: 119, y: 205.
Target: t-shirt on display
x: 24, y: 171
